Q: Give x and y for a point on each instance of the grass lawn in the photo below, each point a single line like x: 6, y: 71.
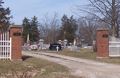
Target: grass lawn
x: 32, y: 68
x: 86, y: 54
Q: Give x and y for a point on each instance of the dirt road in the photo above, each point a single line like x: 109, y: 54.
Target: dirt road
x: 80, y: 67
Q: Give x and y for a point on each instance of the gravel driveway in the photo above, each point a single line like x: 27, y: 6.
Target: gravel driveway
x: 80, y: 67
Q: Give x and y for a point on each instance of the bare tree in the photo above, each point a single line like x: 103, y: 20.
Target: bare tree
x: 49, y: 28
x: 44, y: 28
x: 87, y: 29
x: 108, y: 9
x: 54, y: 27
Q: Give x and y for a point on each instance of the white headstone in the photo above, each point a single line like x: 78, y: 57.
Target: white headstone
x: 28, y: 41
x: 74, y: 42
x: 41, y: 43
x: 57, y: 48
x: 74, y: 48
x: 59, y: 42
x: 65, y: 43
x: 94, y: 42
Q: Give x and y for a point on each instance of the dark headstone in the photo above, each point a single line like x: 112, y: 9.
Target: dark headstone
x: 67, y: 44
x: 82, y: 41
x: 54, y: 46
x: 79, y: 46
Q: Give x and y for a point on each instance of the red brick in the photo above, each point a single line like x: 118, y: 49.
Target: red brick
x: 16, y: 43
x: 102, y: 43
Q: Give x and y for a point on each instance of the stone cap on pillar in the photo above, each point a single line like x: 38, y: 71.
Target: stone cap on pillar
x: 100, y: 29
x: 16, y: 26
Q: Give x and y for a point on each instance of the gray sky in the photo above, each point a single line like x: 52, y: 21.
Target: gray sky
x: 29, y: 8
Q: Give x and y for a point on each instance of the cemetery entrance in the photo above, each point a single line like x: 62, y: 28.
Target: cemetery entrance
x: 5, y: 46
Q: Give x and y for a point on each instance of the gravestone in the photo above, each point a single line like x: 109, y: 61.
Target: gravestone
x: 65, y: 43
x: 94, y: 45
x: 34, y: 43
x: 26, y: 48
x: 94, y: 42
x: 55, y: 46
x: 69, y: 47
x: 82, y: 41
x: 89, y: 46
x: 34, y: 46
x: 41, y: 43
x: 74, y: 48
x: 28, y: 41
x: 74, y: 42
x: 59, y: 42
x: 79, y: 46
x: 47, y: 46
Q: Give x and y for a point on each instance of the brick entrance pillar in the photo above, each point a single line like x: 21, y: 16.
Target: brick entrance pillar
x: 102, y: 43
x: 16, y: 45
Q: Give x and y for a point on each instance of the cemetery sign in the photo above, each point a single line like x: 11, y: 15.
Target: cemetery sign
x: 16, y: 34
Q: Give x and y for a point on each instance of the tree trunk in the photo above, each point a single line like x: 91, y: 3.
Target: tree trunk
x: 113, y: 18
x: 117, y: 31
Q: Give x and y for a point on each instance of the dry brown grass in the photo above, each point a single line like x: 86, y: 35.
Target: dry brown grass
x: 32, y: 68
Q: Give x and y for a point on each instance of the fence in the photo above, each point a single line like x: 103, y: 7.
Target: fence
x: 5, y: 46
x: 114, y: 47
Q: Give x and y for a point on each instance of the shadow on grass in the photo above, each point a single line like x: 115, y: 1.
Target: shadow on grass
x: 26, y: 57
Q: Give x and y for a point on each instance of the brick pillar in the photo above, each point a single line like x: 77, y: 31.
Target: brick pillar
x: 16, y: 45
x: 102, y: 43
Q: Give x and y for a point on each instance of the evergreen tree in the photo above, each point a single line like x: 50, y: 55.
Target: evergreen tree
x: 62, y: 31
x: 4, y: 17
x: 34, y: 33
x: 30, y: 27
x: 71, y: 29
x: 26, y: 28
x: 68, y: 28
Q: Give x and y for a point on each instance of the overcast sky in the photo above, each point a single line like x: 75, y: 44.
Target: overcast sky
x: 29, y: 8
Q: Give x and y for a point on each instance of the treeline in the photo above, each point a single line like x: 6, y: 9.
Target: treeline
x: 51, y: 29
x: 97, y: 13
